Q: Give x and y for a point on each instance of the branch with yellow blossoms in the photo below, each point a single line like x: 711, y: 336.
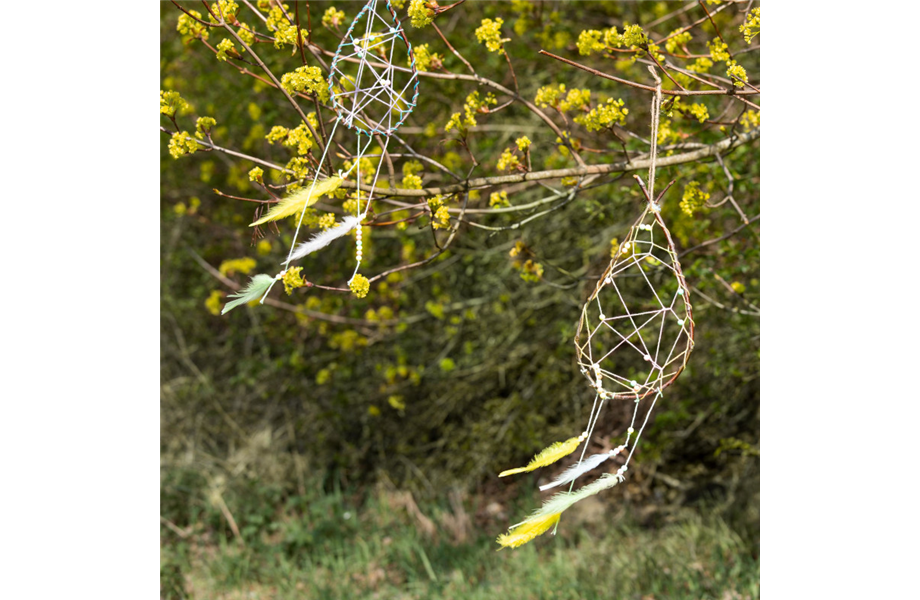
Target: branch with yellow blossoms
x: 429, y: 196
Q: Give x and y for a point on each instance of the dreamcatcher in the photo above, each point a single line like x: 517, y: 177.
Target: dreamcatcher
x: 372, y: 97
x: 634, y: 337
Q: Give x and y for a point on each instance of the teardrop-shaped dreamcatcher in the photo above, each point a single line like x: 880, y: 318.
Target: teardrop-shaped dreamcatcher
x: 634, y: 337
x: 372, y: 96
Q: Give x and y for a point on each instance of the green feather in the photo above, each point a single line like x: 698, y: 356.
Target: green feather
x: 258, y: 285
x: 564, y: 500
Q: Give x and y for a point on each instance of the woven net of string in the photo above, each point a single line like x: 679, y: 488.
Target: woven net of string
x: 636, y: 329
x: 373, y: 80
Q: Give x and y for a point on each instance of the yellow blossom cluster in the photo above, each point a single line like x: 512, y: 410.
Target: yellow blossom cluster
x: 190, y: 28
x: 604, y: 115
x: 245, y: 33
x: 214, y: 302
x: 425, y: 60
x: 750, y: 119
x: 420, y: 14
x: 223, y: 10
x: 693, y: 199
x: 306, y: 78
x: 182, y: 143
x: 332, y: 18
x: 170, y: 102
x: 292, y: 279
x: 508, y: 160
x: 473, y: 105
x: 412, y: 181
x: 285, y: 31
x: 300, y: 137
x: 531, y: 271
x: 326, y: 221
x: 737, y: 73
x: 224, y: 47
x: 678, y: 41
x: 633, y: 37
x: 243, y: 266
x: 490, y: 34
x: 300, y: 167
x: 699, y: 111
x: 440, y: 215
x: 255, y: 174
x: 718, y: 50
x: 700, y: 65
x: 555, y: 95
x: 359, y: 285
x: 203, y: 126
x: 667, y: 134
x: 499, y: 200
x: 751, y: 26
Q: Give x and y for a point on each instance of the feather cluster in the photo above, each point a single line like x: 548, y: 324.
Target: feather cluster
x: 302, y: 198
x: 257, y: 286
x: 547, y: 456
x: 526, y: 531
x: 563, y: 500
x: 582, y: 467
x: 324, y: 238
x: 576, y: 470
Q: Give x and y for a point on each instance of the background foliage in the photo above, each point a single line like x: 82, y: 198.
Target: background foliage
x: 275, y: 426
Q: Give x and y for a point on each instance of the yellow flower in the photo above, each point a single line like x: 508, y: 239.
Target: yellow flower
x: 508, y: 161
x: 604, y: 115
x: 237, y: 265
x: 490, y: 34
x: 255, y: 174
x: 693, y: 199
x: 737, y: 72
x: 499, y: 200
x: 181, y: 144
x: 225, y: 46
x: 420, y: 14
x: 332, y: 18
x: 292, y: 279
x: 306, y: 78
x: 523, y: 143
x: 214, y: 302
x: 359, y: 285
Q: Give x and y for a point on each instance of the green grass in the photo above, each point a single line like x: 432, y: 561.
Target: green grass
x: 329, y: 545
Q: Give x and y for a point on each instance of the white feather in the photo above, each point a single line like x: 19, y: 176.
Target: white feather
x: 579, y: 468
x: 324, y: 238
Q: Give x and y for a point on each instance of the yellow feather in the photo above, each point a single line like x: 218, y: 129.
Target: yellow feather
x: 547, y: 456
x: 523, y: 533
x: 303, y: 197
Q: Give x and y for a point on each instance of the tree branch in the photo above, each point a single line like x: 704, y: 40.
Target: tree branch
x: 634, y: 165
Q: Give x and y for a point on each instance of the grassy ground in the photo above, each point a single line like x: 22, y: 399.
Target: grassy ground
x: 327, y: 545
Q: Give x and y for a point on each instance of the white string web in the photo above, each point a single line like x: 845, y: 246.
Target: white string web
x: 639, y: 347
x: 636, y: 329
x: 365, y: 97
x: 368, y: 92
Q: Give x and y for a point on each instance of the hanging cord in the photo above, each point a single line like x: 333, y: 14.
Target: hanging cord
x: 361, y: 216
x: 656, y: 108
